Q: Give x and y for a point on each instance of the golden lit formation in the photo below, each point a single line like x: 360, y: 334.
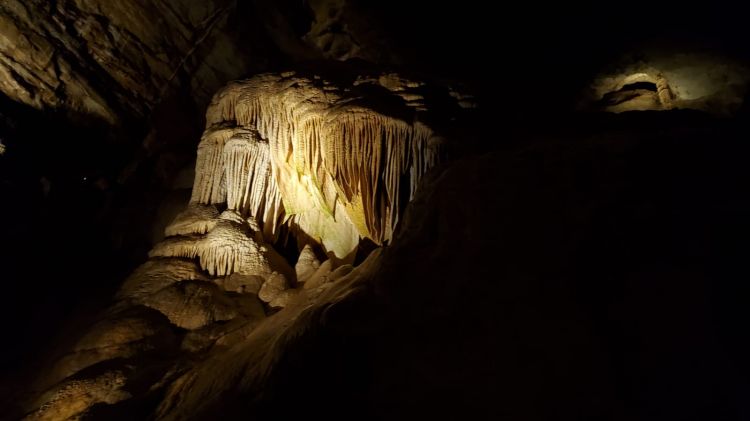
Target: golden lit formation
x: 321, y: 158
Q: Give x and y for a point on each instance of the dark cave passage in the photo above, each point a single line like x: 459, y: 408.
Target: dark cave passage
x: 649, y: 86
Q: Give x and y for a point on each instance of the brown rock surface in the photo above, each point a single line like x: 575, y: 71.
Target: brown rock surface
x: 193, y: 304
x: 101, y: 59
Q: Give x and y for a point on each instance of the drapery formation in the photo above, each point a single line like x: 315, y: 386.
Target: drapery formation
x: 324, y: 159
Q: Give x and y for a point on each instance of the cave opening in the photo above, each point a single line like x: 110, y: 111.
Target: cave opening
x: 645, y: 85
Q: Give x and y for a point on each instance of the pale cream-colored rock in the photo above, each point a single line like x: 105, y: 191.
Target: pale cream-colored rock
x: 306, y: 265
x: 256, y: 352
x: 253, y: 313
x: 192, y: 304
x: 73, y: 398
x: 229, y: 247
x: 195, y: 219
x: 314, y: 154
x: 320, y: 276
x: 677, y: 79
x: 242, y: 284
x: 157, y: 274
x: 273, y: 286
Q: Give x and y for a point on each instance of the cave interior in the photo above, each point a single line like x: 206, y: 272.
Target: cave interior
x: 374, y: 210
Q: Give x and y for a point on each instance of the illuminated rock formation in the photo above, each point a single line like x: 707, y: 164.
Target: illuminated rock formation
x: 664, y: 81
x: 227, y: 248
x: 282, y: 155
x: 193, y: 220
x: 325, y: 159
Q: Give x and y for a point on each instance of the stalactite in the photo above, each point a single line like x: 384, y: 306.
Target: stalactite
x: 288, y: 145
x: 664, y: 92
x: 196, y: 219
x: 228, y: 247
x: 210, y: 186
x: 248, y: 174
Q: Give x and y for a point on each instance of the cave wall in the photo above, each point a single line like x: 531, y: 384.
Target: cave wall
x: 114, y: 60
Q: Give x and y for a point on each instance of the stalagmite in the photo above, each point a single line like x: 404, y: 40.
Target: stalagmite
x: 273, y: 287
x: 250, y: 187
x: 665, y: 94
x: 209, y: 186
x: 306, y: 265
x: 192, y: 304
x: 157, y: 274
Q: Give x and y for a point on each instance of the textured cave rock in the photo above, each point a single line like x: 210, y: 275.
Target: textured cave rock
x: 90, y: 57
x: 306, y: 265
x: 678, y: 78
x: 118, y: 60
x: 580, y: 268
x: 335, y: 161
x: 282, y: 153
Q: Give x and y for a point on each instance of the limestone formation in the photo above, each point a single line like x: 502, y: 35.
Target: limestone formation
x: 192, y: 305
x: 273, y: 287
x: 241, y: 284
x: 253, y: 358
x: 663, y: 80
x: 157, y: 274
x: 196, y: 219
x: 325, y: 159
x: 282, y: 155
x: 320, y: 276
x: 306, y: 265
x: 227, y: 248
